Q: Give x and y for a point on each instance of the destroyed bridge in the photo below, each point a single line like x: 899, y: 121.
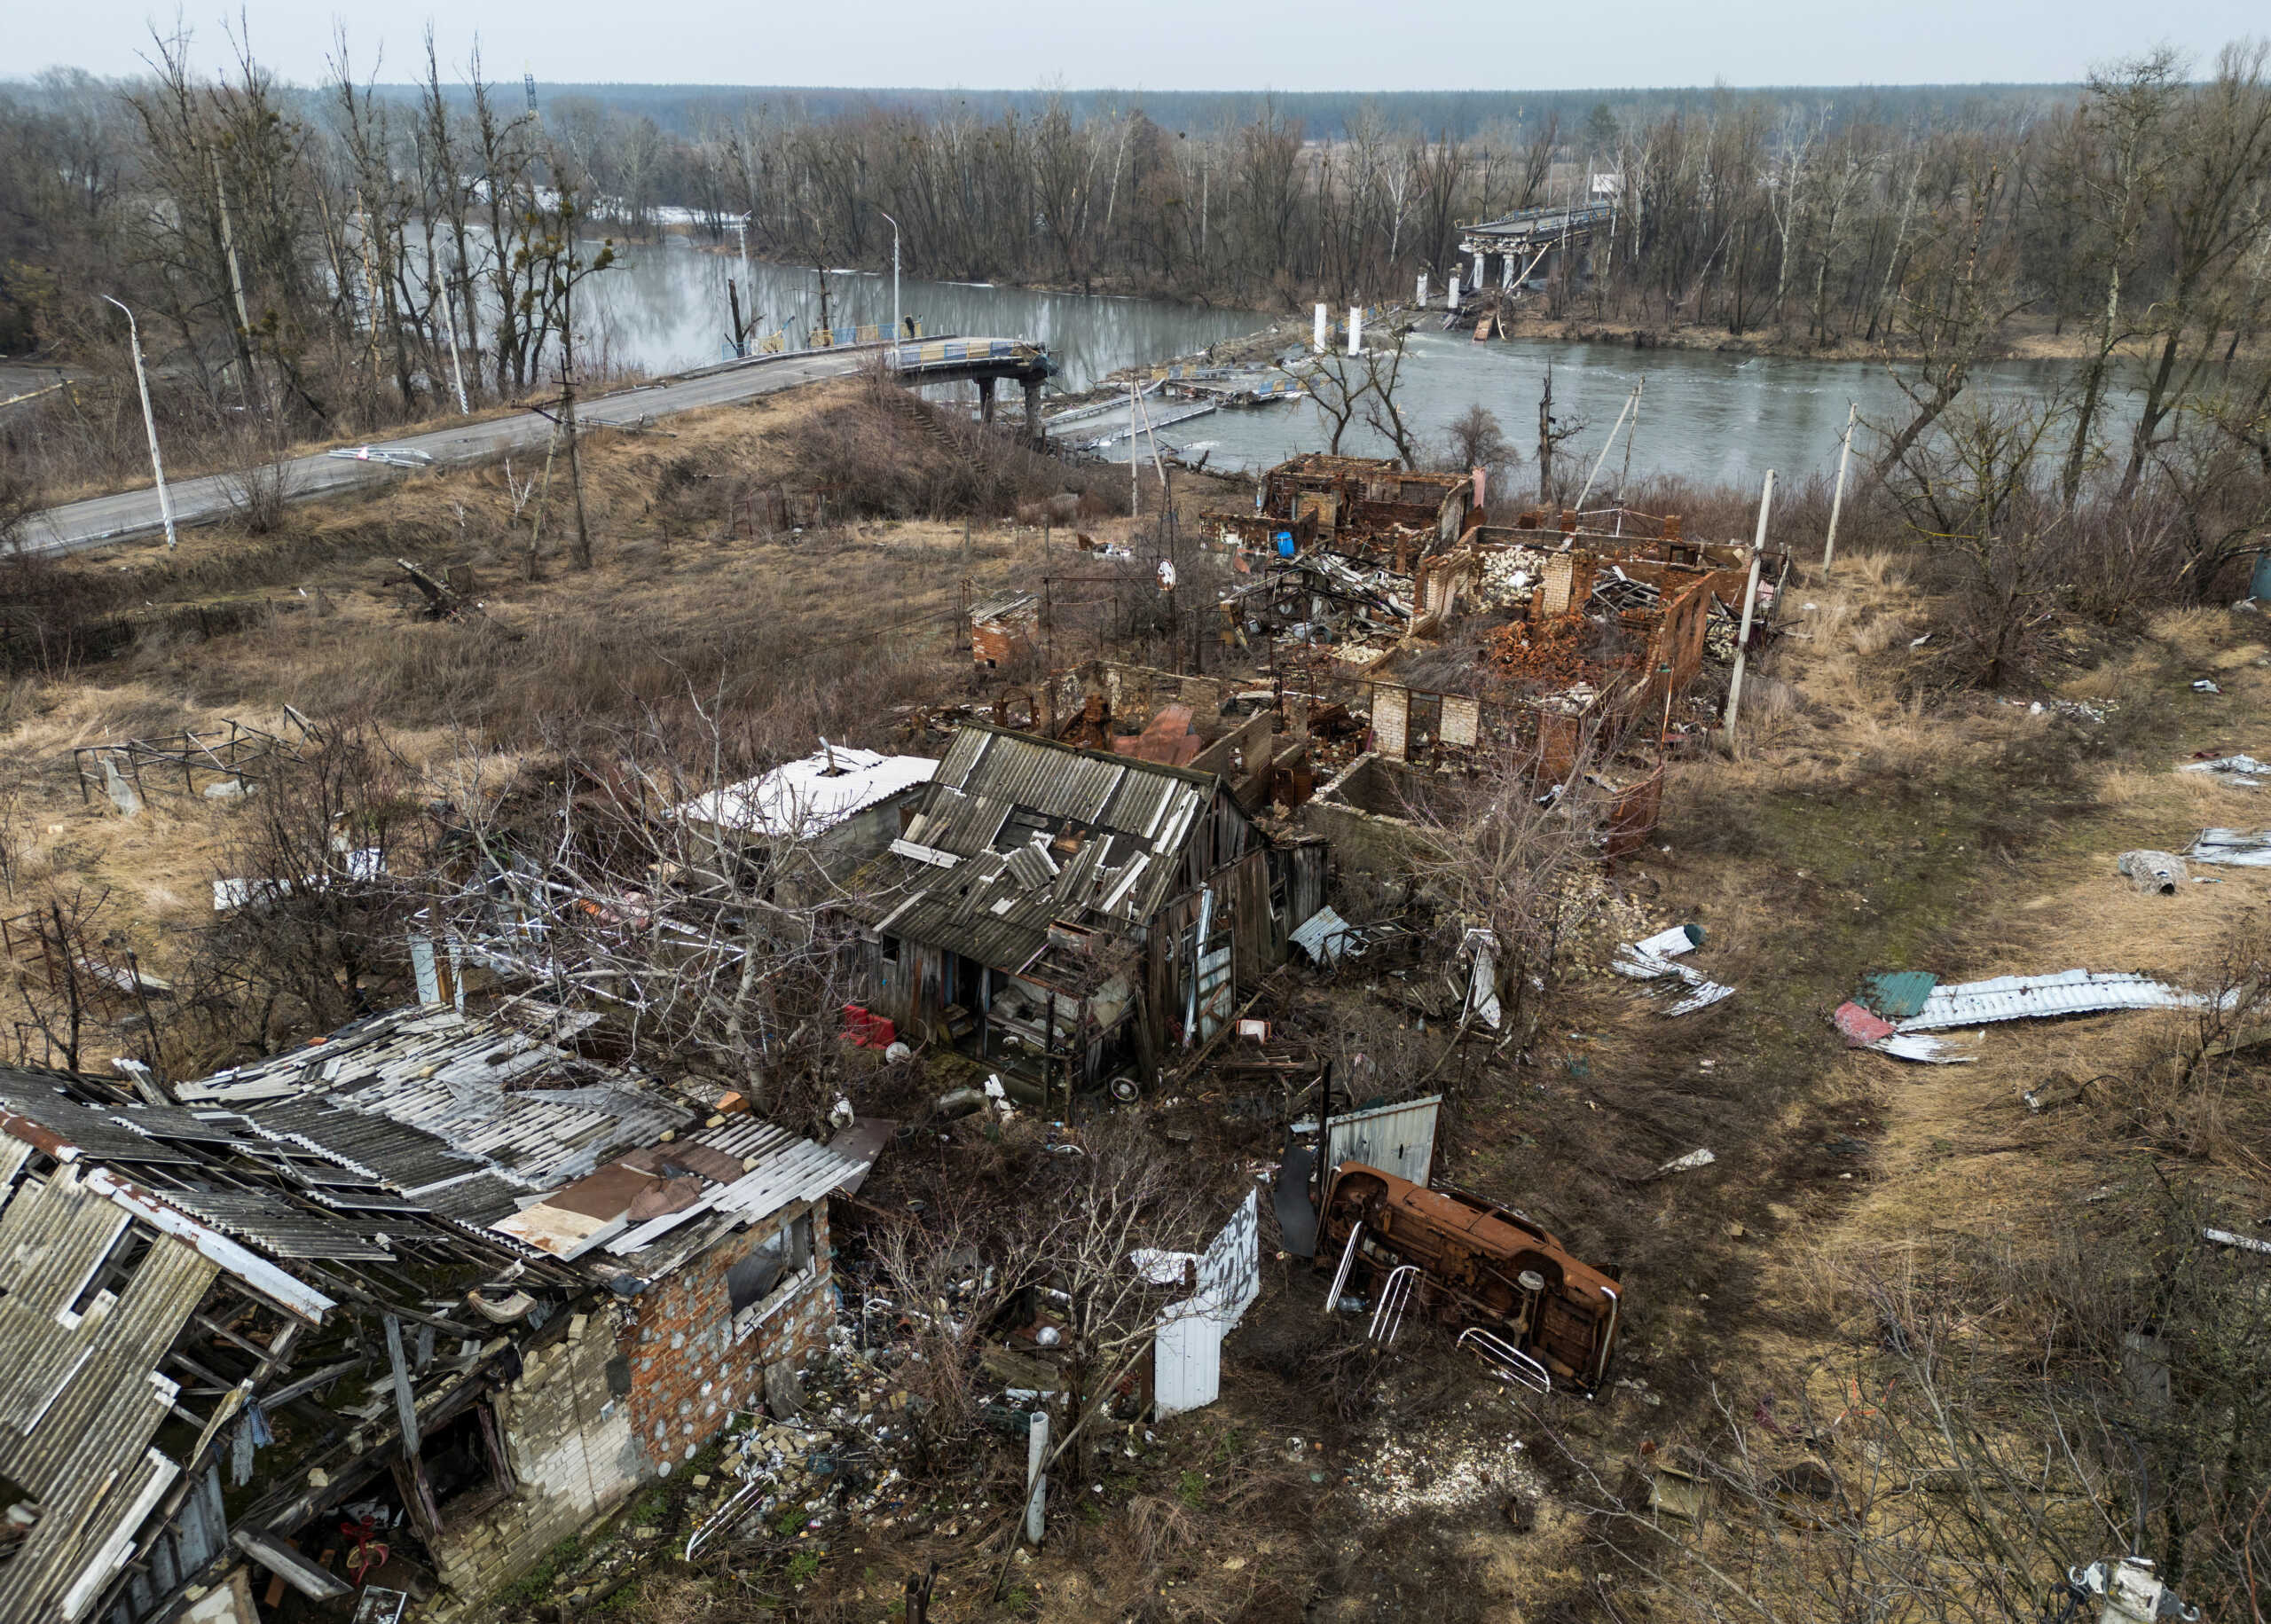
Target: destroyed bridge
x: 980, y: 361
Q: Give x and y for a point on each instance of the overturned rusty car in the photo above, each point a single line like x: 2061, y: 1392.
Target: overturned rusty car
x: 1522, y: 1303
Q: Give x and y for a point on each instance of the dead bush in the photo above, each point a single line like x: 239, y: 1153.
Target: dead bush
x: 884, y: 452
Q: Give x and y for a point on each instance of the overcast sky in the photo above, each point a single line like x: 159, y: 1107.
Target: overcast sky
x: 1173, y: 45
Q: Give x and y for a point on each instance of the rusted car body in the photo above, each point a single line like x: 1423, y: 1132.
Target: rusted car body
x: 1481, y: 1266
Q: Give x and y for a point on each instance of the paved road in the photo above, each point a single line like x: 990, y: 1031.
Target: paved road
x: 99, y: 520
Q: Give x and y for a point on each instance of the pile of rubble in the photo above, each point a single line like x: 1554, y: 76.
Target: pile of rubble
x: 1551, y: 654
x: 830, y: 1461
x: 1510, y: 575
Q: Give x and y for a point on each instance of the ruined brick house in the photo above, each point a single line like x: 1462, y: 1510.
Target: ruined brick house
x: 1343, y: 503
x: 1070, y: 915
x: 433, y: 1281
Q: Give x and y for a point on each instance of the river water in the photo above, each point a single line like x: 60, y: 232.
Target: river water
x: 1702, y: 415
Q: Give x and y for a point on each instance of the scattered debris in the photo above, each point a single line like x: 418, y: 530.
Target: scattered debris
x: 1689, y: 1162
x: 2226, y: 1238
x: 2240, y: 772
x: 1652, y: 960
x: 2054, y: 1091
x: 1902, y: 1020
x: 2231, y: 849
x: 393, y: 456
x: 443, y: 601
x: 2205, y: 687
x: 1328, y: 939
x: 2021, y: 998
x: 2154, y: 873
x: 2130, y: 1591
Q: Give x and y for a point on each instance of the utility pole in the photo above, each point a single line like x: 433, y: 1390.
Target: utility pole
x: 1837, y: 501
x: 457, y: 363
x: 1749, y: 602
x: 894, y: 289
x: 149, y: 423
x: 1135, y: 490
x: 236, y: 277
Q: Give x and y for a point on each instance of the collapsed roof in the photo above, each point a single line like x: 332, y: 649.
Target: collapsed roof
x: 1031, y: 833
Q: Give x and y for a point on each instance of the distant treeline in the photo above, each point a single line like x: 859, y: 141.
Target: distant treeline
x: 687, y: 110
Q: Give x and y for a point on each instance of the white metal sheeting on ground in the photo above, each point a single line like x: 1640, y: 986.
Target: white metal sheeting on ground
x: 2020, y: 998
x: 1653, y: 960
x: 2232, y: 849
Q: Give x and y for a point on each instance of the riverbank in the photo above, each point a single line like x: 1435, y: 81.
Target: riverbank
x: 2021, y: 338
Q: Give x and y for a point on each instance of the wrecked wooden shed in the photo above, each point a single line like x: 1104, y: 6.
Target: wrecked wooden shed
x: 1071, y: 915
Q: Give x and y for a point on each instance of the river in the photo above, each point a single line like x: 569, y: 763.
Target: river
x: 1702, y: 415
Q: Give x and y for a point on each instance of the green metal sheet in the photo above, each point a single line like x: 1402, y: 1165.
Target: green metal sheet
x: 1898, y: 995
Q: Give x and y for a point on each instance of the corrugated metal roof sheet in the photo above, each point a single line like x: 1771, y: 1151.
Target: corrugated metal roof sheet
x: 2018, y: 998
x: 806, y: 797
x: 1327, y: 937
x: 998, y: 809
x: 1898, y: 995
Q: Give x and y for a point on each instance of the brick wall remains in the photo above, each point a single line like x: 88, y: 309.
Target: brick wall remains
x: 567, y: 1435
x: 686, y: 1372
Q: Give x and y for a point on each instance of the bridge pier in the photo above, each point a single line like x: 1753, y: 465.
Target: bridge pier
x: 986, y: 401
x: 1033, y: 412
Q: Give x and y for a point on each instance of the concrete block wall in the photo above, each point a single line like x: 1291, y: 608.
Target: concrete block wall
x: 687, y: 1373
x: 567, y: 1435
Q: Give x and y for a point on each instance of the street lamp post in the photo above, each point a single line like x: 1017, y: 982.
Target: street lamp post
x: 894, y: 289
x: 149, y: 420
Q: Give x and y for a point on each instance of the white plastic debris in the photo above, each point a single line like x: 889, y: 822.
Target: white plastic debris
x: 1161, y: 1268
x: 998, y: 1097
x: 841, y: 1114
x: 1652, y: 960
x: 1689, y: 1162
x: 2205, y: 687
x: 896, y: 1052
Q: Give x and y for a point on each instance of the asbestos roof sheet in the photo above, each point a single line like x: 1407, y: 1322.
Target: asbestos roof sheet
x: 2018, y: 998
x: 410, y: 1159
x: 479, y: 1200
x: 473, y: 1089
x: 802, y: 798
x: 276, y: 1227
x: 2232, y: 848
x: 81, y: 1399
x: 97, y: 1134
